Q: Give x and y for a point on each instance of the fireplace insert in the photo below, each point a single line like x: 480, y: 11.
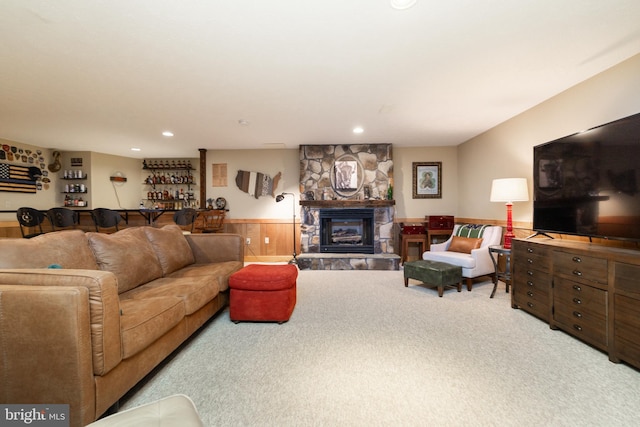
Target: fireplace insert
x: 347, y: 231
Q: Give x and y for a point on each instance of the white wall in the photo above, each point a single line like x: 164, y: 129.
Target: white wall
x: 110, y: 194
x: 406, y: 205
x: 507, y: 150
x: 269, y: 162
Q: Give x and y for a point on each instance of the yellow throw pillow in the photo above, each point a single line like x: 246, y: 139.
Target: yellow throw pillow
x: 464, y: 244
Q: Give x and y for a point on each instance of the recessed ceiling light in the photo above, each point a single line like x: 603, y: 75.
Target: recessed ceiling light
x: 402, y: 4
x: 135, y: 149
x: 167, y: 133
x: 358, y: 129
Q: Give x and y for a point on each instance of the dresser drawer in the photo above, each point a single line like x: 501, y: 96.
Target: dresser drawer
x: 627, y: 329
x: 531, y: 276
x: 581, y: 310
x: 627, y: 278
x: 535, y: 305
x: 532, y: 261
x: 533, y: 297
x: 531, y: 255
x: 585, y: 269
x: 587, y: 327
x: 579, y: 297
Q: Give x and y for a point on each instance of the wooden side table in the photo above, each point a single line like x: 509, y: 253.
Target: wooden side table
x: 421, y: 239
x: 431, y: 233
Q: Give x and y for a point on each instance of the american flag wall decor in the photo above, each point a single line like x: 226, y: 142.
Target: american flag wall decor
x: 20, y: 179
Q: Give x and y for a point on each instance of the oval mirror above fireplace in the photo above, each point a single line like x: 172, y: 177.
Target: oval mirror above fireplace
x: 347, y: 175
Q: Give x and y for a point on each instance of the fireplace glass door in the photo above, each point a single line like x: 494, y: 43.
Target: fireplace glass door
x: 347, y: 231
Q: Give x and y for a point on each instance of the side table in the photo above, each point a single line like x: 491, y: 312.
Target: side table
x: 495, y: 252
x: 431, y: 233
x: 421, y: 239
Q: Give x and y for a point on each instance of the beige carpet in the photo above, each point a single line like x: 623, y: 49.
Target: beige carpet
x: 363, y: 350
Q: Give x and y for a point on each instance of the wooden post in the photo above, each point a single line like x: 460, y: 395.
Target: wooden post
x: 203, y: 177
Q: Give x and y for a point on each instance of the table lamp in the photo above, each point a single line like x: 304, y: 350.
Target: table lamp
x: 509, y: 190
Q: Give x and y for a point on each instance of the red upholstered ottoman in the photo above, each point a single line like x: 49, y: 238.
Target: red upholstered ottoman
x: 263, y: 293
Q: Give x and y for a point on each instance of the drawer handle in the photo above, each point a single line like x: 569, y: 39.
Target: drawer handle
x: 576, y: 259
x: 529, y: 282
x: 577, y: 328
x: 530, y: 273
x: 530, y: 304
x: 530, y: 293
x: 577, y: 288
x: 577, y: 314
x: 577, y: 301
x: 530, y: 250
x: 577, y: 273
x: 529, y: 260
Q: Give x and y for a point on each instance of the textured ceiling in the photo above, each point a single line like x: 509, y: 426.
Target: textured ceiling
x: 109, y: 75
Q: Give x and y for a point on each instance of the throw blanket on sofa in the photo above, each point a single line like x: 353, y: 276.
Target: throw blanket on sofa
x: 471, y: 230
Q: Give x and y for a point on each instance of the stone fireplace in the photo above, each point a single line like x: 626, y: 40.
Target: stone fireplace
x: 347, y: 210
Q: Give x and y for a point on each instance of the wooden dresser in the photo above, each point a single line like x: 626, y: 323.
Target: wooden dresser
x: 589, y: 291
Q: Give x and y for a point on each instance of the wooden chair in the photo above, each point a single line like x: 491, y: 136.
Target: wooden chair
x: 30, y: 218
x: 212, y: 221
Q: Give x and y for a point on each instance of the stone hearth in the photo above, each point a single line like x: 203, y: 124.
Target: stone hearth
x: 383, y: 258
x: 348, y: 262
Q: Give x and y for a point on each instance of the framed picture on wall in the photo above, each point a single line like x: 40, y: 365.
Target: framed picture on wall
x: 427, y: 180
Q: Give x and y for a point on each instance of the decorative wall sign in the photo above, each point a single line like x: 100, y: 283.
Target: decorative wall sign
x: 257, y: 184
x: 427, y: 180
x: 19, y: 179
x: 219, y: 175
x: 56, y: 165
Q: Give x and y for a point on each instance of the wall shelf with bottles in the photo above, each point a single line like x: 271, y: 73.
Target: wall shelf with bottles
x: 74, y: 174
x: 74, y: 191
x: 170, y: 182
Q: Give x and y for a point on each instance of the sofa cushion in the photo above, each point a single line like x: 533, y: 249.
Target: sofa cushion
x: 195, y: 292
x: 464, y: 244
x: 127, y: 254
x: 143, y: 321
x: 172, y: 249
x: 69, y: 249
x: 220, y: 270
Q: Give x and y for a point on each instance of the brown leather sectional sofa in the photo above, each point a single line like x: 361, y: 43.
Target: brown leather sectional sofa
x: 85, y: 316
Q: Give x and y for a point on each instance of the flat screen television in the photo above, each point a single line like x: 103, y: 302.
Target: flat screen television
x: 586, y: 184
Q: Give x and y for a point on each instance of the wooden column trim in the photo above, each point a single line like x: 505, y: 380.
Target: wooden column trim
x: 203, y: 177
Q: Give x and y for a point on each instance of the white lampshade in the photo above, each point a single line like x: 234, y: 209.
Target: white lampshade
x: 509, y: 190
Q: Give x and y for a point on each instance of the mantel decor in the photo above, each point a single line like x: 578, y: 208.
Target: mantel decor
x: 347, y: 175
x: 427, y: 180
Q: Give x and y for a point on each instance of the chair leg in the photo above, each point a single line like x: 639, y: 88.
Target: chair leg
x: 469, y: 284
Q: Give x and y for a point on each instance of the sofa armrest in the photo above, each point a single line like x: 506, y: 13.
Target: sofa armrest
x: 440, y: 247
x: 45, y: 348
x: 483, y: 259
x: 103, y: 325
x: 216, y: 247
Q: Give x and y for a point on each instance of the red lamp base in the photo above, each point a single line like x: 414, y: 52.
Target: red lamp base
x: 508, y: 236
